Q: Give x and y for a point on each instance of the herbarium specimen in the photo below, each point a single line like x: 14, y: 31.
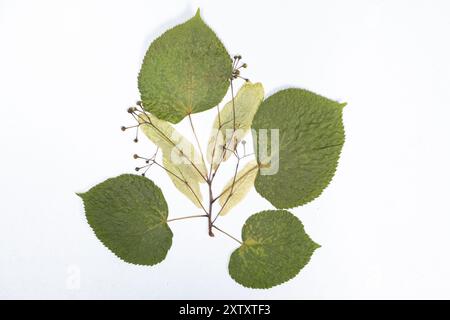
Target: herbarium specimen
x: 297, y: 139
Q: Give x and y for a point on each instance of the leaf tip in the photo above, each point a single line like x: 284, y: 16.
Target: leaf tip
x: 197, y: 13
x: 343, y: 104
x: 80, y: 194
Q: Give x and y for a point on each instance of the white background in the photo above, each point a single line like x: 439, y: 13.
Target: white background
x: 68, y: 72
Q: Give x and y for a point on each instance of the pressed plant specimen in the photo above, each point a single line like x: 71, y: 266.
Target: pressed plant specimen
x: 297, y: 139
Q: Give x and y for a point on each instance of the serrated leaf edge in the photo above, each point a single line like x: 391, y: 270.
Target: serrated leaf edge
x: 81, y: 194
x: 315, y: 244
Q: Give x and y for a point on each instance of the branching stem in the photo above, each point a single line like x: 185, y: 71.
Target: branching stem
x: 212, y: 172
x: 184, y: 181
x: 149, y: 122
x: 231, y: 191
x: 236, y: 181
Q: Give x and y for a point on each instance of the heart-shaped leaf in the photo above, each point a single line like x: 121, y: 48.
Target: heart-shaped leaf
x: 303, y: 160
x: 128, y: 214
x: 186, y: 70
x: 275, y: 248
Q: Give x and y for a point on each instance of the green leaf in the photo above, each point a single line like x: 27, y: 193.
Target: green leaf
x: 128, y: 214
x: 186, y: 70
x: 275, y: 248
x: 179, y: 156
x: 311, y: 135
x: 246, y: 103
x: 236, y: 189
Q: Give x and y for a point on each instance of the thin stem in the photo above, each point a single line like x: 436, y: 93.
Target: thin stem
x: 234, y: 109
x: 211, y: 176
x: 210, y: 223
x: 247, y: 155
x: 187, y: 217
x: 234, y: 130
x: 211, y: 173
x: 234, y: 152
x: 231, y: 192
x: 222, y: 158
x: 226, y: 233
x: 168, y: 171
x: 196, y: 138
x: 237, y: 180
x: 184, y: 181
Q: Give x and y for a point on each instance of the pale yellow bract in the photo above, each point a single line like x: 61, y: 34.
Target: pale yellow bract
x: 178, y: 156
x: 246, y: 103
x: 233, y: 193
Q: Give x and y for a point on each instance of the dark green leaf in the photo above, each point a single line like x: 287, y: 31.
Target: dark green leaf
x: 275, y: 248
x: 128, y: 214
x: 186, y: 70
x: 311, y: 135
